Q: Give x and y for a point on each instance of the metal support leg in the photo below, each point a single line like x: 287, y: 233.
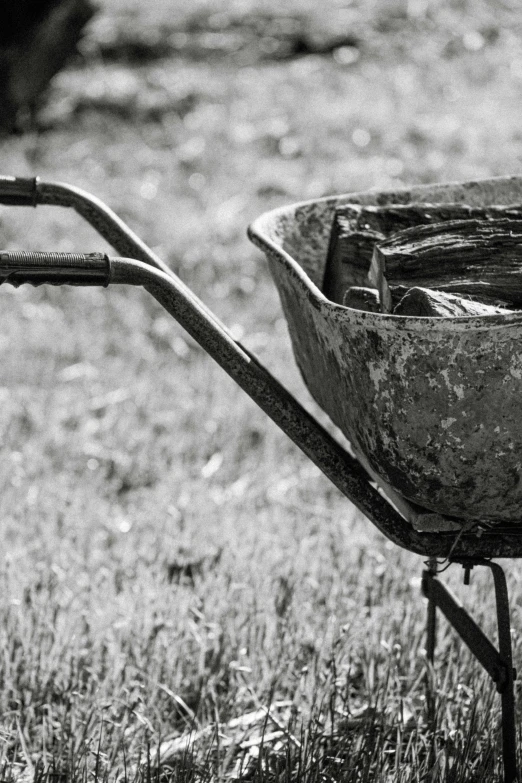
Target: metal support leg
x: 498, y: 663
x: 505, y: 685
x: 431, y: 640
x: 431, y: 629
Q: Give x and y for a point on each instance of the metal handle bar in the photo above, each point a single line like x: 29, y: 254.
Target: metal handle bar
x: 36, y: 267
x: 163, y: 284
x: 18, y: 191
x: 33, y: 192
x: 345, y: 472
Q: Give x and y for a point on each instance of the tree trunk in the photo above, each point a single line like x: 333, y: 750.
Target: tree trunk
x: 36, y: 39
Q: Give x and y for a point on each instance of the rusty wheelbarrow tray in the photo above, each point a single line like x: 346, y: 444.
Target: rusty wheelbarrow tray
x: 431, y: 406
x: 300, y: 232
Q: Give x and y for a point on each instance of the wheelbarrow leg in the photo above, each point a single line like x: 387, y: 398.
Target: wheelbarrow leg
x: 431, y: 629
x: 498, y: 663
x: 431, y: 640
x: 505, y: 685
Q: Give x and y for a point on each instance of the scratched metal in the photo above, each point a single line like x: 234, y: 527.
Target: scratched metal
x: 99, y: 216
x: 431, y: 404
x: 181, y: 303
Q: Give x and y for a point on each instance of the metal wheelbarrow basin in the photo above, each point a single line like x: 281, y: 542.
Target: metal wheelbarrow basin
x: 430, y: 405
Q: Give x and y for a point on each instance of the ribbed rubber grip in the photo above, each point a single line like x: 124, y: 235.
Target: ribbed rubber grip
x: 18, y: 191
x: 36, y: 268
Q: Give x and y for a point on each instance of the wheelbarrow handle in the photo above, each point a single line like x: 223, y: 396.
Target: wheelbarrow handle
x: 141, y: 266
x: 33, y: 192
x: 18, y: 191
x: 36, y: 268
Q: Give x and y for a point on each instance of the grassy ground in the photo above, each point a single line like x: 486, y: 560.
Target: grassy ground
x: 178, y: 581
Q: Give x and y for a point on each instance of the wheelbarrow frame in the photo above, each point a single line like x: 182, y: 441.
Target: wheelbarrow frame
x: 139, y: 266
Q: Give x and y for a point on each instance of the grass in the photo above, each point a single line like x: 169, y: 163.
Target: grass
x: 184, y: 596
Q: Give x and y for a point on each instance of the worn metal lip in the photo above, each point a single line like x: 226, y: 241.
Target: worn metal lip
x: 259, y: 232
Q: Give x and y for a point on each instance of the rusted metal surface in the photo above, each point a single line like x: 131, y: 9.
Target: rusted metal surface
x: 497, y: 663
x: 475, y: 638
x: 99, y: 216
x: 302, y: 428
x: 340, y: 467
x: 506, y: 687
x: 431, y: 405
x: 289, y: 415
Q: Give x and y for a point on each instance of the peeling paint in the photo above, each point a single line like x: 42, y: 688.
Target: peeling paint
x: 447, y: 423
x: 377, y: 374
x: 432, y: 405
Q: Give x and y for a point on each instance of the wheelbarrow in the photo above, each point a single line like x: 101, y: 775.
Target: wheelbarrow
x: 393, y: 384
